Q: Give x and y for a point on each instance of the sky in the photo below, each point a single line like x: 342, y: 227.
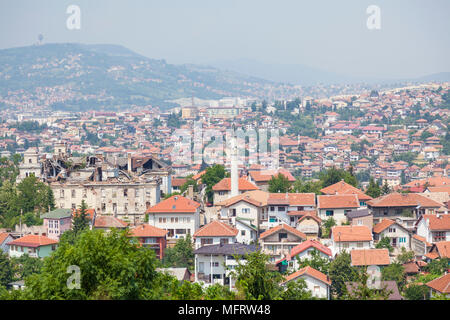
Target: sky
x: 331, y: 35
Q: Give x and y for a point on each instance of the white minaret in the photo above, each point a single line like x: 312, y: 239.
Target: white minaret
x: 234, y: 169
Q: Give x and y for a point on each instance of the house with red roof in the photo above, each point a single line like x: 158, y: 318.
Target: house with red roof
x: 434, y: 228
x: 336, y: 206
x: 370, y: 257
x: 349, y: 238
x: 36, y: 246
x: 303, y: 251
x: 5, y: 238
x: 177, y: 214
x: 278, y: 241
x: 399, y: 236
x: 440, y: 286
x: 151, y: 237
x: 343, y: 187
x: 261, y: 178
x: 215, y: 232
x: 222, y: 189
x: 318, y: 283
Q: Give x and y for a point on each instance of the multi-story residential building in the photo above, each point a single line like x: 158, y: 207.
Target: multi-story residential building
x: 336, y: 206
x: 434, y: 228
x: 350, y: 237
x: 177, y: 214
x: 57, y: 222
x: 399, y: 236
x: 32, y: 245
x: 215, y: 232
x: 151, y: 237
x: 279, y: 241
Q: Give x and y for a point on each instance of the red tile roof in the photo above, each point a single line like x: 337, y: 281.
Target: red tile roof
x: 266, y: 175
x: 369, y: 257
x: 33, y: 241
x: 308, y: 244
x: 343, y: 187
x: 337, y: 201
x: 443, y: 248
x: 441, y: 223
x: 3, y: 236
x: 441, y: 284
x: 383, y: 225
x: 109, y: 222
x: 310, y: 272
x: 351, y: 233
x: 403, y: 200
x: 285, y: 227
x: 146, y: 230
x: 216, y: 229
x: 175, y: 204
x: 243, y: 185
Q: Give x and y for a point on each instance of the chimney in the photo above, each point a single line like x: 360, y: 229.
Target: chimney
x: 129, y: 163
x: 234, y: 169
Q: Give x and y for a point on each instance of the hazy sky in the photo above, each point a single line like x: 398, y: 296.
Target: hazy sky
x: 332, y: 35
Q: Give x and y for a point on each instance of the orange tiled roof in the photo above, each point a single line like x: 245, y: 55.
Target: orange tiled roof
x: 337, y: 201
x: 351, y: 233
x: 311, y: 272
x: 343, y: 187
x: 173, y: 204
x: 280, y: 227
x: 438, y: 224
x: 369, y: 257
x: 109, y: 222
x: 33, y: 241
x: 383, y: 225
x: 256, y: 197
x: 225, y: 185
x: 443, y: 248
x: 216, y: 229
x: 3, y: 236
x: 403, y: 200
x: 441, y: 284
x: 146, y: 230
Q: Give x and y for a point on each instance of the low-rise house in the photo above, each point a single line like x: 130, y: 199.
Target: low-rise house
x: 370, y: 257
x: 177, y: 214
x: 440, y: 285
x: 57, y: 222
x: 343, y: 187
x: 309, y: 223
x: 406, y: 206
x: 109, y: 222
x: 278, y: 241
x: 261, y: 178
x: 362, y: 217
x: 151, y: 237
x: 213, y: 263
x: 434, y: 228
x: 439, y: 250
x: 222, y: 190
x: 5, y: 238
x: 303, y: 251
x: 397, y: 234
x: 336, y: 206
x: 215, y: 232
x: 318, y: 283
x: 350, y: 237
x: 247, y: 232
x: 420, y: 245
x: 33, y: 245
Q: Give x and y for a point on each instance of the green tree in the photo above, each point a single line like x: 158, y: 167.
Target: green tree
x: 405, y: 256
x: 373, y: 190
x: 212, y: 176
x: 307, y: 186
x: 327, y: 225
x: 181, y: 255
x: 416, y: 292
x: 254, y: 280
x: 438, y: 266
x: 340, y: 272
x: 386, y: 189
x: 385, y: 242
x: 316, y: 261
x: 362, y: 291
x: 6, y: 269
x: 296, y: 290
x: 394, y: 272
x: 219, y: 292
x: 112, y: 266
x: 80, y: 220
x: 25, y: 266
x: 279, y: 184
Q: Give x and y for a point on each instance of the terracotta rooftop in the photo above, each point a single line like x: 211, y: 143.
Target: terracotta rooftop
x: 146, y: 230
x: 383, y: 225
x: 284, y: 227
x: 243, y: 185
x: 337, y: 201
x: 33, y: 241
x: 441, y: 284
x: 175, y: 204
x: 441, y: 223
x: 369, y: 257
x: 109, y: 222
x: 351, y: 233
x: 216, y: 229
x: 343, y: 187
x: 403, y: 200
x: 316, y: 274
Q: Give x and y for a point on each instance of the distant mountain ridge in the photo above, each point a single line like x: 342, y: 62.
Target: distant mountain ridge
x: 115, y: 76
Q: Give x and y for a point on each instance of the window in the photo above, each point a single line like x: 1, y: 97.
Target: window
x: 282, y: 236
x: 272, y: 219
x: 205, y: 241
x: 221, y: 193
x: 214, y: 264
x: 272, y: 208
x: 224, y: 241
x: 438, y: 236
x: 391, y: 229
x: 74, y: 194
x: 180, y: 231
x: 345, y: 245
x: 329, y: 213
x: 245, y: 210
x: 242, y: 232
x: 125, y: 192
x: 281, y: 209
x: 61, y: 193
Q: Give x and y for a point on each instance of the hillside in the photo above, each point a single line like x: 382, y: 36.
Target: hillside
x: 86, y: 76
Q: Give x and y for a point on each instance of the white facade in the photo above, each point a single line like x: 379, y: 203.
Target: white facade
x: 178, y: 224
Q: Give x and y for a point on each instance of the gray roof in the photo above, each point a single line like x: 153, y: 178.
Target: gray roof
x: 227, y: 249
x: 358, y: 213
x: 57, y: 214
x: 178, y: 273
